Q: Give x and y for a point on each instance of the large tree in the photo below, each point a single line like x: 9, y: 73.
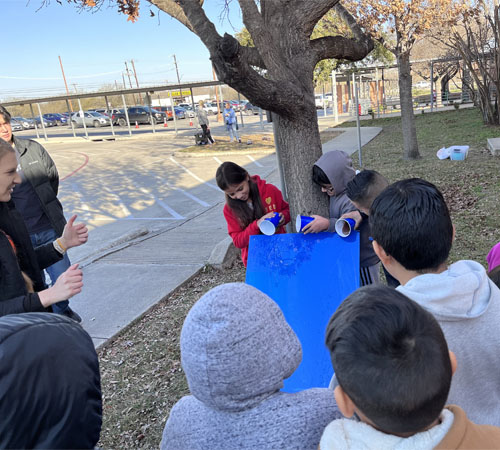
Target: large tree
x: 281, y: 31
x: 408, y: 20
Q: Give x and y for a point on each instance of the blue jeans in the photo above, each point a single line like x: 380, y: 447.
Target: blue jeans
x: 55, y: 270
x: 231, y: 129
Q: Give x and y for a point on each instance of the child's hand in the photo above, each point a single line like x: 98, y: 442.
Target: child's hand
x: 318, y: 225
x: 264, y: 217
x: 282, y: 220
x: 356, y: 215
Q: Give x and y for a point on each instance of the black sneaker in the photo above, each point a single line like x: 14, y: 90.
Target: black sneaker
x: 68, y: 312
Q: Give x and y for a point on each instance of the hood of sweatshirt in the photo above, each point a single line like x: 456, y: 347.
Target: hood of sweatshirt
x: 493, y: 257
x: 462, y: 291
x: 337, y: 166
x: 49, y: 383
x: 347, y: 434
x: 237, y: 348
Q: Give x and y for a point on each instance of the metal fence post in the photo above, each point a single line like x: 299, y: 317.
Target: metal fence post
x: 34, y: 120
x: 83, y: 118
x: 71, y: 124
x: 110, y: 117
x: 41, y: 121
x: 126, y: 114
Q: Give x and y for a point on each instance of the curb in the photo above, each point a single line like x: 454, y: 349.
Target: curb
x: 224, y: 254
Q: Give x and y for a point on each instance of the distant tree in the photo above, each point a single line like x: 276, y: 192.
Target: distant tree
x: 408, y: 20
x: 475, y: 36
x: 281, y: 32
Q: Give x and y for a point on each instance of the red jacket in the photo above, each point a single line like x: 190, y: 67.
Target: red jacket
x: 272, y: 200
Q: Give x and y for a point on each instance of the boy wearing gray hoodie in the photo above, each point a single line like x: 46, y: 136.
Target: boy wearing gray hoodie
x: 413, y: 234
x: 332, y: 172
x: 236, y: 350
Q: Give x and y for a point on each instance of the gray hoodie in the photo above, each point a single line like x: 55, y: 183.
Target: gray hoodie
x: 466, y: 303
x: 236, y: 350
x: 337, y: 166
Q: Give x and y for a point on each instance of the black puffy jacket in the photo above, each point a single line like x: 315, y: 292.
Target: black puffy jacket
x: 14, y: 297
x: 50, y: 388
x: 41, y: 172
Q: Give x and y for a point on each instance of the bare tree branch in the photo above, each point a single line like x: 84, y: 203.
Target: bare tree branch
x: 172, y: 8
x: 308, y: 13
x: 340, y: 47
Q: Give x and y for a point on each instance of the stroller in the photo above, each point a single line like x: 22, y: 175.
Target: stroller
x: 200, y: 139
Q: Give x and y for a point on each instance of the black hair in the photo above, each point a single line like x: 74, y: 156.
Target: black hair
x: 365, y: 187
x: 5, y: 114
x: 228, y: 174
x: 319, y: 176
x: 391, y: 358
x: 494, y: 275
x: 411, y: 222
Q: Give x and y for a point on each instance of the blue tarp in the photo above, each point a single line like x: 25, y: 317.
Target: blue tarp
x: 308, y: 276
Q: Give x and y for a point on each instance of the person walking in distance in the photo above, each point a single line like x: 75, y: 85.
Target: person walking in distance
x: 231, y: 122
x: 201, y: 114
x: 36, y: 199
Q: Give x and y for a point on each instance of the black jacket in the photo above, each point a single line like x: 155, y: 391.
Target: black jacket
x: 50, y: 387
x: 14, y: 297
x: 41, y: 172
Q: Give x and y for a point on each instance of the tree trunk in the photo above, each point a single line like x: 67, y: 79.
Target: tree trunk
x: 299, y: 146
x: 407, y: 118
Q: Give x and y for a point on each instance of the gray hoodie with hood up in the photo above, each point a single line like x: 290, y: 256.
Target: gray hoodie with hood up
x: 236, y: 350
x: 337, y: 166
x: 466, y: 303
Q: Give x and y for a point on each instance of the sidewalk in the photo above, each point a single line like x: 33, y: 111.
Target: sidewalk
x: 127, y: 279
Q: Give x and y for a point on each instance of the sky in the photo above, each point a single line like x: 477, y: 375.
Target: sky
x: 94, y: 47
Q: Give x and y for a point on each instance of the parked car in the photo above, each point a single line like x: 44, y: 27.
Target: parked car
x: 15, y: 125
x: 26, y: 123
x: 236, y: 104
x: 92, y: 119
x: 139, y: 114
x: 58, y: 118
x: 250, y: 109
x: 188, y: 111
x: 46, y: 122
x: 211, y: 108
x: 180, y: 113
x: 109, y: 112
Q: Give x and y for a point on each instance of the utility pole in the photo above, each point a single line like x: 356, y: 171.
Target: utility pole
x: 136, y: 80
x: 65, y: 83
x: 177, y: 71
x: 129, y: 80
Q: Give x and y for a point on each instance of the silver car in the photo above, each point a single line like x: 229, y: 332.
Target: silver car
x: 26, y: 123
x: 92, y: 119
x: 15, y: 125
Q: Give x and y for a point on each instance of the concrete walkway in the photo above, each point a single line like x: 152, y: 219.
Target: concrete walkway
x: 132, y: 275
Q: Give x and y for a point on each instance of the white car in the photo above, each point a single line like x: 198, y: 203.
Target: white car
x: 211, y: 108
x: 92, y: 119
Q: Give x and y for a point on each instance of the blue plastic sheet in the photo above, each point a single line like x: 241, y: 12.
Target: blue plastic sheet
x: 308, y: 276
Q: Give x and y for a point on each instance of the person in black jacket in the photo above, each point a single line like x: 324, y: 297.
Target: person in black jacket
x: 36, y: 199
x: 22, y: 288
x: 50, y: 387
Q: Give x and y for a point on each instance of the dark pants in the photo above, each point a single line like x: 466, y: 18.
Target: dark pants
x: 206, y: 133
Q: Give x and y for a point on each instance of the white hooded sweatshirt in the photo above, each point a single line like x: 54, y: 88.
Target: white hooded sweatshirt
x: 466, y: 304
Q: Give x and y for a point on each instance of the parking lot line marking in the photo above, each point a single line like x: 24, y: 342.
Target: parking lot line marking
x: 257, y: 163
x: 79, y: 168
x: 196, y: 177
x: 217, y: 160
x: 122, y: 206
x: 187, y: 194
x: 174, y: 214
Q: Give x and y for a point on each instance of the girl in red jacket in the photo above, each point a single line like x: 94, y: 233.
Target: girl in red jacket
x: 249, y: 201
